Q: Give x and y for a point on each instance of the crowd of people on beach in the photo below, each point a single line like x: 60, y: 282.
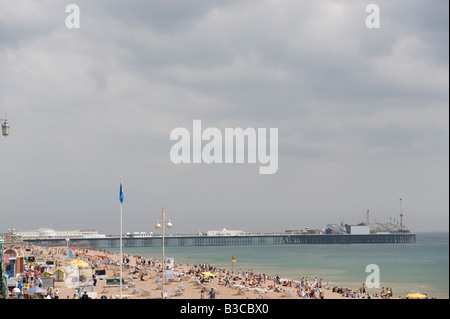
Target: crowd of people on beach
x: 145, y: 269
x: 361, y: 293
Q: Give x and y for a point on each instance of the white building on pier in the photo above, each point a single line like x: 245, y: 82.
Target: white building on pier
x: 48, y: 233
x: 225, y: 232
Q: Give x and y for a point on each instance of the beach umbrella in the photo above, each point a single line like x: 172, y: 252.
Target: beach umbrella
x: 16, y: 291
x: 416, y: 296
x: 36, y: 290
x: 207, y: 273
x: 12, y: 282
x: 79, y: 263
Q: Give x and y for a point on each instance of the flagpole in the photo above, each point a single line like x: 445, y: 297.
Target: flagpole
x: 163, y: 256
x: 121, y: 258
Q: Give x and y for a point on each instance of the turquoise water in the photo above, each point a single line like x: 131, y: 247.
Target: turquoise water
x: 416, y: 267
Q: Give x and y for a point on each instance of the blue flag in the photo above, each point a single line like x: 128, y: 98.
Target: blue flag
x: 121, y: 193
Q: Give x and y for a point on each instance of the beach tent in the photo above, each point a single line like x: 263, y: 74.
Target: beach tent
x: 416, y: 296
x: 36, y: 290
x: 59, y: 275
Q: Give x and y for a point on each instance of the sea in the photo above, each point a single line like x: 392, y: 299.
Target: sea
x: 420, y: 267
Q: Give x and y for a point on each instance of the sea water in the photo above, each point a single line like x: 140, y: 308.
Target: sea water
x: 410, y: 267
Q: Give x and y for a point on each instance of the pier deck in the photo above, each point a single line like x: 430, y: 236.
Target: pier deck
x: 279, y: 239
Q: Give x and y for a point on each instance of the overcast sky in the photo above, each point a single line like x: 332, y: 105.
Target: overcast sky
x: 362, y: 114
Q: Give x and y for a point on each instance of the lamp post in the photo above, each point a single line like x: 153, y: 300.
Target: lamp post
x: 68, y: 248
x: 158, y: 226
x: 401, y: 215
x: 5, y: 126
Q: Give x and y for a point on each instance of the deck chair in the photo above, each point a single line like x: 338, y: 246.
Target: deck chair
x: 123, y: 296
x: 197, y: 282
x: 145, y: 293
x: 206, y: 288
x: 181, y: 287
x: 240, y: 290
x: 179, y: 292
x: 262, y: 295
x: 286, y: 293
x: 136, y: 291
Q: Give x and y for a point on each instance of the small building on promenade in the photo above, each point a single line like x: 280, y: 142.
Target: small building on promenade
x: 13, y: 255
x: 3, y: 279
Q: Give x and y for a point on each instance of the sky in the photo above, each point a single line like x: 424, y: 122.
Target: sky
x: 362, y: 113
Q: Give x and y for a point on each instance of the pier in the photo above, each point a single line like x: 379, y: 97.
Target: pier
x: 267, y: 239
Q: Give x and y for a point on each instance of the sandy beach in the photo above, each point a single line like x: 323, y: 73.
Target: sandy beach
x: 143, y: 280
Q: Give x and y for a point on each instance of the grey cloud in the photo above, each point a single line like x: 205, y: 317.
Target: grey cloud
x: 87, y: 106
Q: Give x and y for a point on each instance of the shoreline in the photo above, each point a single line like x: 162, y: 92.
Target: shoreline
x: 142, y: 280
x: 335, y: 277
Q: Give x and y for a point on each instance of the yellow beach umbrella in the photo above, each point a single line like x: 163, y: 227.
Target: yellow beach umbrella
x: 416, y: 296
x: 79, y: 263
x: 207, y: 273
